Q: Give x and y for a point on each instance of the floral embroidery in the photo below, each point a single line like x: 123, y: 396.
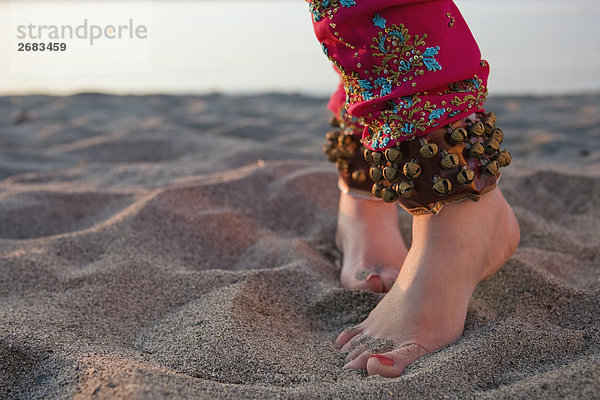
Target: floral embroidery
x: 379, y: 22
x: 327, y: 8
x: 437, y: 114
x: 407, y: 117
x: 400, y: 58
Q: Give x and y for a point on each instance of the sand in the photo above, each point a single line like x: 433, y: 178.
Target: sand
x: 181, y: 247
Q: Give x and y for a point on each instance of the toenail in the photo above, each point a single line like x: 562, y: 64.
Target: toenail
x: 384, y: 360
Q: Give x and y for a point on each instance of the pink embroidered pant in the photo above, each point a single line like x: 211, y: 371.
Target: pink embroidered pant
x: 411, y: 73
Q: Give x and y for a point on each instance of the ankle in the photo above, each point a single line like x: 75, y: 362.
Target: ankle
x: 362, y: 208
x: 485, y: 232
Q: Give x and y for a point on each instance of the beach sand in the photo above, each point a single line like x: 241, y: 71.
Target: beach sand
x: 173, y: 247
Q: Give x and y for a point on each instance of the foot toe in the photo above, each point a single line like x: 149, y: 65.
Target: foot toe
x: 375, y: 283
x: 347, y: 335
x: 355, y: 342
x: 393, y: 363
x: 358, y: 350
x: 359, y: 362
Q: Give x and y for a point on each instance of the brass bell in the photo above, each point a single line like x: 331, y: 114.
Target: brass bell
x: 334, y: 122
x: 497, y: 135
x: 492, y: 146
x: 442, y: 187
x: 391, y: 174
x: 492, y: 116
x: 412, y: 170
x: 336, y: 153
x: 342, y: 165
x: 450, y: 161
x: 477, y: 129
x: 376, y: 190
x: 458, y: 135
x: 465, y: 176
x: 489, y: 124
x: 359, y: 175
x: 344, y: 140
x: 352, y: 147
x: 428, y: 150
x: 376, y: 174
x: 477, y: 150
x: 504, y: 158
x: 491, y: 169
x: 377, y: 158
x: 393, y: 155
x: 367, y: 155
x: 332, y: 135
x: 404, y: 189
x: 389, y: 195
x: 344, y: 153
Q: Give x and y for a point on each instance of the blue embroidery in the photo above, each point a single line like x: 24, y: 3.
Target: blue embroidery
x: 404, y: 66
x: 382, y: 44
x: 327, y: 8
x: 386, y: 86
x: 365, y: 84
x: 386, y: 89
x: 435, y: 114
x: 379, y: 21
x: 407, y: 102
x: 367, y: 88
x: 397, y: 34
x: 408, y: 128
x: 431, y: 51
x: 379, y: 142
x: 315, y: 14
x: 367, y: 95
x: 325, y: 50
x: 429, y: 58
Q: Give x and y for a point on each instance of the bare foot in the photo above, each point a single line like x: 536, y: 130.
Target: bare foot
x: 425, y: 310
x: 369, y: 238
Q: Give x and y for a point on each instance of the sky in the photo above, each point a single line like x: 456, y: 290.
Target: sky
x: 248, y: 46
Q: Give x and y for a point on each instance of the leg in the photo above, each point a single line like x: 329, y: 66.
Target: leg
x: 367, y: 230
x: 414, y: 76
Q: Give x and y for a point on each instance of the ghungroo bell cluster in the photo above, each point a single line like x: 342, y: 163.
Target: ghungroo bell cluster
x: 461, y: 160
x: 346, y: 151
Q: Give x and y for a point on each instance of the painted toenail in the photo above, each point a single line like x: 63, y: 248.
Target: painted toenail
x: 384, y: 360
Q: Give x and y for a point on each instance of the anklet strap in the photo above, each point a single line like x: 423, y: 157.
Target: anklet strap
x: 457, y: 162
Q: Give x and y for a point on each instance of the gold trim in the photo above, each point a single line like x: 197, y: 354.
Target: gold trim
x: 436, y: 207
